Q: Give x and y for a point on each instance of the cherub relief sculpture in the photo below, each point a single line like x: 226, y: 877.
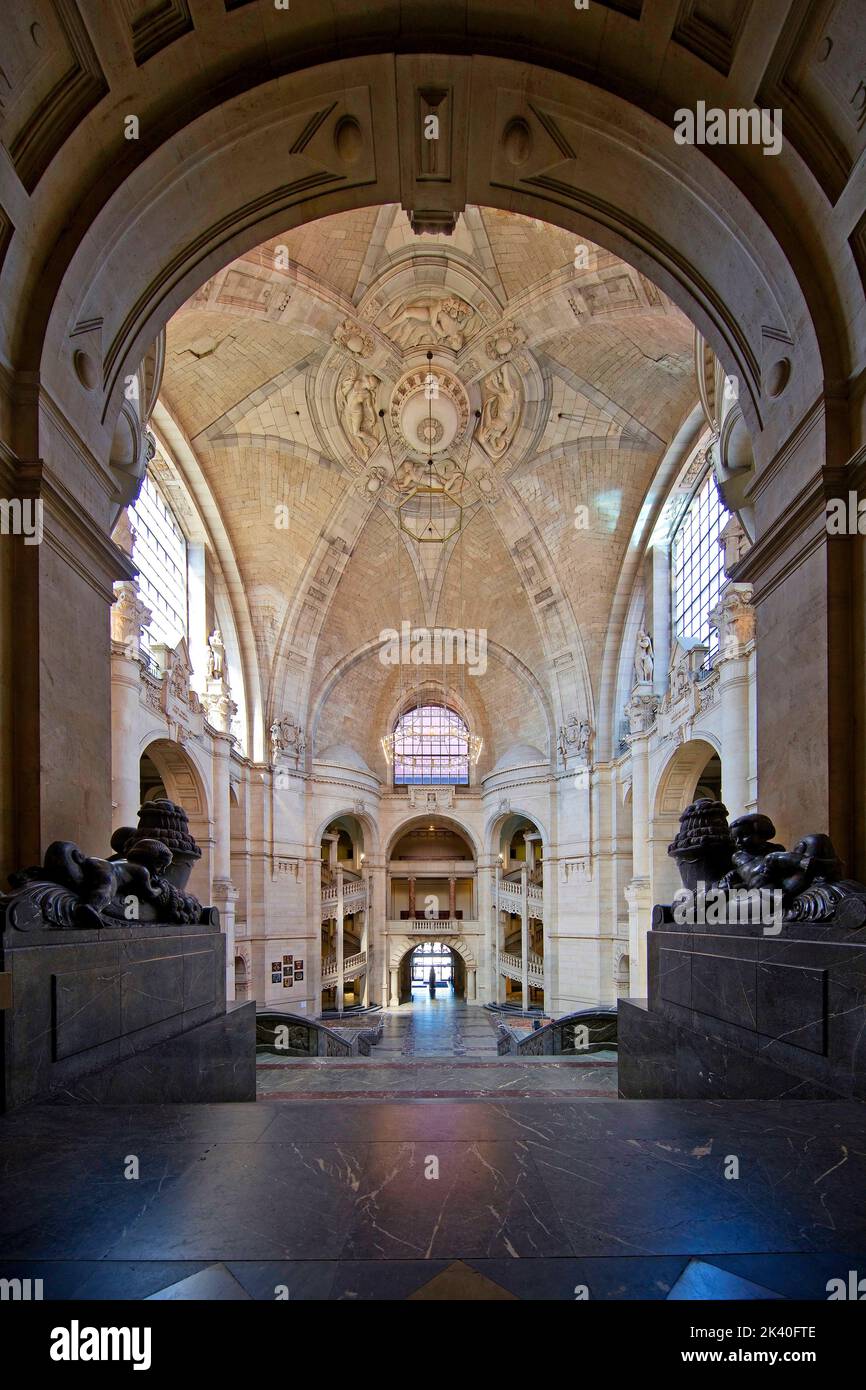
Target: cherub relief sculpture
x: 430, y: 318
x: 499, y: 412
x: 356, y: 401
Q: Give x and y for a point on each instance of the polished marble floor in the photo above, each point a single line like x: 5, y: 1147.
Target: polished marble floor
x: 436, y: 1048
x: 377, y: 1078
x: 440, y: 1027
x: 527, y: 1199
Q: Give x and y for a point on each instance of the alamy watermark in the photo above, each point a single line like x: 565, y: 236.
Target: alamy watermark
x: 736, y: 126
x: 846, y: 516
x: 434, y: 646
x: 713, y: 907
x: 22, y: 516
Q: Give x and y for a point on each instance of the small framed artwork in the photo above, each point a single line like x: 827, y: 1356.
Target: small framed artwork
x: 276, y: 965
x: 299, y: 965
x: 287, y: 960
x: 299, y: 975
x: 275, y: 978
x: 287, y: 982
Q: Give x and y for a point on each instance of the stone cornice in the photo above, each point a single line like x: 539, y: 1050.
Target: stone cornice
x: 776, y: 554
x: 812, y: 418
x: 35, y: 479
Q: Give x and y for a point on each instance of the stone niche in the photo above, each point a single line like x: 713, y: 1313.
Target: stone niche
x: 751, y: 1009
x: 111, y: 1010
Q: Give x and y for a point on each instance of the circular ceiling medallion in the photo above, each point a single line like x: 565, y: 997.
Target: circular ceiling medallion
x: 429, y: 409
x: 430, y: 431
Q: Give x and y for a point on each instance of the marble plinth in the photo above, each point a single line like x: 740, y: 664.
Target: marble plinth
x: 84, y: 1001
x: 736, y: 1014
x: 214, y: 1062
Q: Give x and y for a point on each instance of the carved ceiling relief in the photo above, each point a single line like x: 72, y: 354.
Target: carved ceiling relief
x: 425, y: 414
x: 500, y: 412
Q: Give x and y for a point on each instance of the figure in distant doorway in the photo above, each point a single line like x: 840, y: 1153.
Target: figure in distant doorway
x: 432, y: 982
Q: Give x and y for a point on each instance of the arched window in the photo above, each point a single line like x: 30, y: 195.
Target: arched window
x: 431, y: 748
x: 697, y: 565
x: 159, y: 551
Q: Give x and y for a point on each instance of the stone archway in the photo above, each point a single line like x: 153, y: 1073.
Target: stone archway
x: 400, y: 952
x: 86, y: 303
x: 185, y: 786
x: 674, y: 790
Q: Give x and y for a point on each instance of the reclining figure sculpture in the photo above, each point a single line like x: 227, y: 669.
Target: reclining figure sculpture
x: 143, y: 881
x: 711, y: 854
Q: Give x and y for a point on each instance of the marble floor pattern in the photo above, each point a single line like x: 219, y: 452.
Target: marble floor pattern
x: 436, y: 1048
x: 531, y: 1199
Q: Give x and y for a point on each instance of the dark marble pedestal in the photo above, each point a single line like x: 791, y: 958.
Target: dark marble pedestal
x: 736, y: 1014
x: 126, y: 1014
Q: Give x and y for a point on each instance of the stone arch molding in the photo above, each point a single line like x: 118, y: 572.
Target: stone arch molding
x: 495, y: 651
x: 401, y: 946
x: 366, y: 820
x: 586, y: 160
x: 495, y: 822
x: 680, y: 776
x: 418, y: 821
x: 181, y: 777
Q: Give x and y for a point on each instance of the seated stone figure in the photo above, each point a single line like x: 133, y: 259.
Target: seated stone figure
x: 753, y: 843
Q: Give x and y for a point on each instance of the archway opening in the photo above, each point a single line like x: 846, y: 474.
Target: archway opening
x: 432, y: 873
x: 435, y: 971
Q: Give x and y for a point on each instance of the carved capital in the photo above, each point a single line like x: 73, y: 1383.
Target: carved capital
x: 734, y: 619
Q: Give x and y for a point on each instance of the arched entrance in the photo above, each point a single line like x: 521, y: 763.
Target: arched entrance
x: 433, y: 961
x: 88, y: 294
x: 454, y: 958
x: 166, y: 769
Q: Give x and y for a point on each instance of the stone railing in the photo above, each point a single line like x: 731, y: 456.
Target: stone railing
x: 433, y: 924
x: 351, y: 966
x: 354, y: 900
x: 513, y: 965
x: 578, y: 1034
x: 511, y: 900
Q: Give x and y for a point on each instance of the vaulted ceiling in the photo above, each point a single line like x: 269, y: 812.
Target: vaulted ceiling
x: 561, y: 377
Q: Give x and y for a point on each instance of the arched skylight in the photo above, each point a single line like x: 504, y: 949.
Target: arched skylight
x: 431, y: 748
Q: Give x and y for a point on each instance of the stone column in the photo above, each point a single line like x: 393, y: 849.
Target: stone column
x: 55, y: 706
x: 641, y: 713
x: 125, y: 757
x: 411, y: 898
x: 224, y: 892
x: 734, y: 619
x: 497, y: 937
x: 128, y: 616
x: 452, y: 896
x: 365, y: 935
x: 339, y: 943
x: 395, y: 997
x: 524, y: 935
